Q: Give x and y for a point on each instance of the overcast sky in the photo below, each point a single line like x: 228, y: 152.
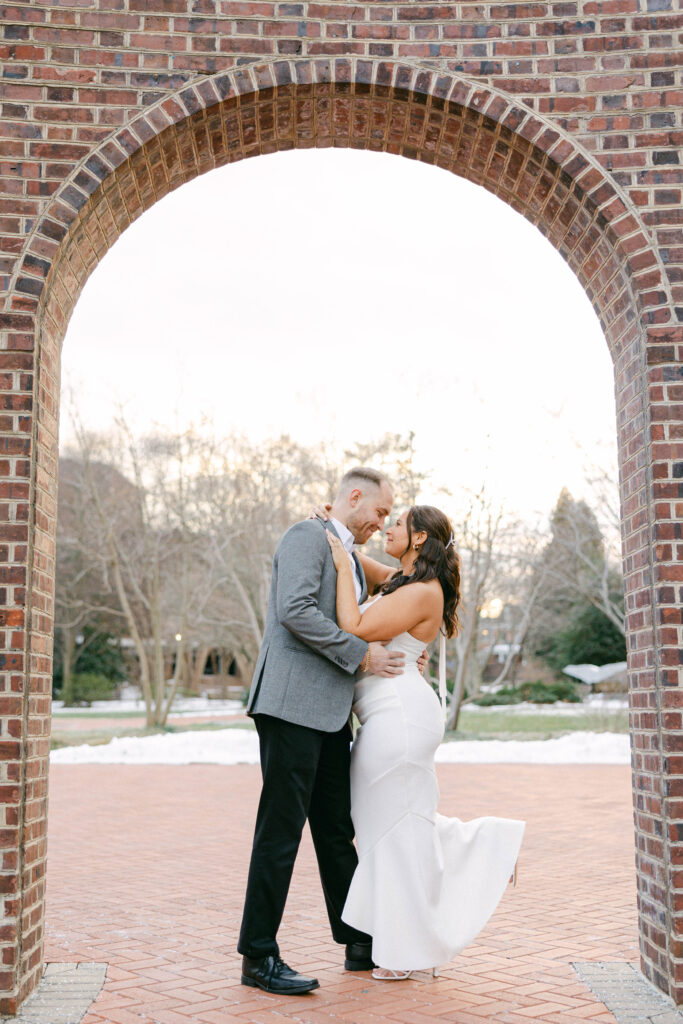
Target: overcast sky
x: 335, y: 295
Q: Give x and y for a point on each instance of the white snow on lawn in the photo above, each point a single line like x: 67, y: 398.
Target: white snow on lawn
x: 202, y: 707
x: 240, y: 746
x: 574, y: 748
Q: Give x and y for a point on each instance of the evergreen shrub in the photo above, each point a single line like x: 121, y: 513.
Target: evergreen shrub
x: 89, y: 686
x: 534, y: 693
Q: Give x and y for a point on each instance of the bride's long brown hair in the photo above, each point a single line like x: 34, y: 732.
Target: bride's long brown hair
x: 437, y: 559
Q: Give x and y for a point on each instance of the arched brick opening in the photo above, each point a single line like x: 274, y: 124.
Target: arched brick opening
x: 442, y: 119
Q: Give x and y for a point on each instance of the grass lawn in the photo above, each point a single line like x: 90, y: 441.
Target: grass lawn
x: 506, y: 723
x: 500, y: 723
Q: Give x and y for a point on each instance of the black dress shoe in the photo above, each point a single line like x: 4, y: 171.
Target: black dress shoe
x: 272, y: 974
x: 359, y: 957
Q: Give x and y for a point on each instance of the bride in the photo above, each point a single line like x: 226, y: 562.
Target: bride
x: 425, y: 885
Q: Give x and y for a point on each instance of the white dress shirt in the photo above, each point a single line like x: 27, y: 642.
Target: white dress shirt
x: 347, y: 539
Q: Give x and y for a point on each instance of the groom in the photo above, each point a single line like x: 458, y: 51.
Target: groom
x: 301, y: 700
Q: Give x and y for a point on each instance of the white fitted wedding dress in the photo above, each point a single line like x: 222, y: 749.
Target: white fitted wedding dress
x: 425, y: 885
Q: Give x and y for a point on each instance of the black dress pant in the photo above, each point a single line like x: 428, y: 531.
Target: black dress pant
x: 305, y: 775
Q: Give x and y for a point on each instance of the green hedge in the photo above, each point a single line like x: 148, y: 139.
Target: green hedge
x: 89, y: 686
x: 535, y: 693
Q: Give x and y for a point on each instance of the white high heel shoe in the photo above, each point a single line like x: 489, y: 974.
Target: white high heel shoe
x: 391, y: 975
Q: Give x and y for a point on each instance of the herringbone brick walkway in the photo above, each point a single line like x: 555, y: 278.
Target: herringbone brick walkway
x: 147, y: 867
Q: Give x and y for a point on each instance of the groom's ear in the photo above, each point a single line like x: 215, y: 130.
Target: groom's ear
x: 355, y: 496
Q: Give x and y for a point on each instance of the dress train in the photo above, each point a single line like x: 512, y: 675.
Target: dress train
x: 425, y: 884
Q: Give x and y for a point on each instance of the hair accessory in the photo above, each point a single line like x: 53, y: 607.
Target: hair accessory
x: 451, y: 541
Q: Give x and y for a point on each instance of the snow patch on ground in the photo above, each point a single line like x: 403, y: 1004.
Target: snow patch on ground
x: 574, y: 748
x: 183, y: 706
x: 240, y: 746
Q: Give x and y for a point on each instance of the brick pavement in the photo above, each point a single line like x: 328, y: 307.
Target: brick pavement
x: 147, y: 868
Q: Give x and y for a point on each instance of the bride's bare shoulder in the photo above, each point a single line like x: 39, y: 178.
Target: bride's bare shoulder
x: 430, y: 590
x: 432, y: 585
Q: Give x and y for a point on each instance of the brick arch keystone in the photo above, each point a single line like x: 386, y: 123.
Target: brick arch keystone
x: 441, y: 118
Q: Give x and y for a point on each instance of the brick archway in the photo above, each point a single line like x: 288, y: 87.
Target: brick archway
x: 475, y: 131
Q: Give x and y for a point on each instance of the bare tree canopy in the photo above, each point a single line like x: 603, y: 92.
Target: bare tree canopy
x: 168, y: 540
x: 173, y: 534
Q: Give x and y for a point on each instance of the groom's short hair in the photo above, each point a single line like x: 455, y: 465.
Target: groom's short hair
x: 360, y: 477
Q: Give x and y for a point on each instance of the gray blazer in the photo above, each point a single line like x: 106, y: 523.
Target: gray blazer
x: 306, y: 667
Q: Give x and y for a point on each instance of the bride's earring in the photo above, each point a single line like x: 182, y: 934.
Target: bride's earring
x: 416, y: 547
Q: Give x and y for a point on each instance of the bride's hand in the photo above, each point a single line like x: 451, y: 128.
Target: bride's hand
x: 339, y: 556
x: 321, y: 511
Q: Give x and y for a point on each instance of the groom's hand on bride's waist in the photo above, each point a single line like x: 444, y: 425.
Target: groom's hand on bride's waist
x: 384, y: 662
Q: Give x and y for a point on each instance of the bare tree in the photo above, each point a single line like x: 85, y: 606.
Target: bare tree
x: 476, y: 538
x: 185, y: 526
x: 134, y: 491
x: 181, y: 531
x: 245, y: 496
x: 517, y: 589
x: 83, y: 608
x: 394, y: 454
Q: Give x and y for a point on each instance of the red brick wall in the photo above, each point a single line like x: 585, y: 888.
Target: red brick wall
x: 570, y: 112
